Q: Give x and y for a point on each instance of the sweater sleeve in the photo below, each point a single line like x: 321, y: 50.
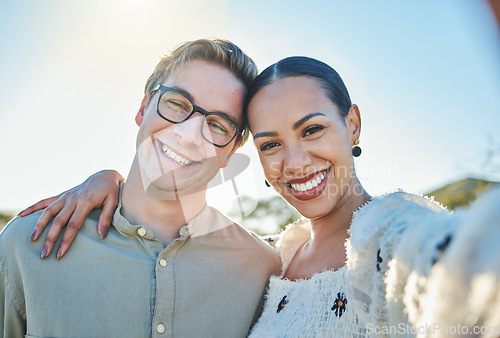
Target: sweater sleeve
x: 376, y: 231
x: 444, y: 275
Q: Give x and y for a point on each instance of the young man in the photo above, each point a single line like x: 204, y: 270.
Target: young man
x: 170, y: 266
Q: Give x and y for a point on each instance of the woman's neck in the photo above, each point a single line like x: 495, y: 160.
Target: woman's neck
x: 334, y: 226
x: 325, y: 250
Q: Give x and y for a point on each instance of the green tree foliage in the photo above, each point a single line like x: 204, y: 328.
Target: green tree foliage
x: 461, y: 193
x: 266, y: 216
x: 4, y: 219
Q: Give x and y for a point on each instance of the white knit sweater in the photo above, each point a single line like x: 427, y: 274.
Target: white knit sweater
x: 413, y: 269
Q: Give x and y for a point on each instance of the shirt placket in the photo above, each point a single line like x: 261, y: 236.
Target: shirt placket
x: 163, y: 319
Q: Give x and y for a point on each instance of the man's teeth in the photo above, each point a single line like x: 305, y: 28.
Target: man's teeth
x: 172, y: 155
x: 309, y: 184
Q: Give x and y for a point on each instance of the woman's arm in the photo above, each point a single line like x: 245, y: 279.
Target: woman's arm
x: 445, y: 271
x: 70, y: 208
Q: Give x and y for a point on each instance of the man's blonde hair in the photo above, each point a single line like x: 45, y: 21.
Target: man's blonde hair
x: 220, y: 52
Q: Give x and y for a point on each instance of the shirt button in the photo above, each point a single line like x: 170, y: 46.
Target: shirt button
x: 141, y: 232
x: 163, y: 262
x: 160, y: 328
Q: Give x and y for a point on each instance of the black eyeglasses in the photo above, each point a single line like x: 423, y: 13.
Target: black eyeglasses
x: 176, y: 107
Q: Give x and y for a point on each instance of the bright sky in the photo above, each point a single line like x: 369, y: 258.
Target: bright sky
x: 425, y: 74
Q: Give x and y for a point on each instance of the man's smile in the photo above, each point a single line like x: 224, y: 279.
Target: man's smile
x: 174, y: 156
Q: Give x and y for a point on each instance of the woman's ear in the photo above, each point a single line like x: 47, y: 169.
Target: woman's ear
x: 353, y: 121
x: 140, y: 114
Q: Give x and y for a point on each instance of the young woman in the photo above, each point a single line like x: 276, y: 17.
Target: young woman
x: 356, y: 265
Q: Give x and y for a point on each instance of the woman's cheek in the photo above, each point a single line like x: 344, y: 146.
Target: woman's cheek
x: 272, y: 169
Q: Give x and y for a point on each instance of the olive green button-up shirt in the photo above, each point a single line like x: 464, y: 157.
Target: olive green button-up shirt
x: 209, y: 282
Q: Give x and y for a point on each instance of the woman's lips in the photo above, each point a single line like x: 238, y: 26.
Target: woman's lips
x: 308, y: 187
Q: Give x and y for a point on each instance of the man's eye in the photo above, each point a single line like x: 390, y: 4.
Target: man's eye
x: 268, y: 145
x: 176, y: 105
x: 217, y: 128
x: 312, y: 129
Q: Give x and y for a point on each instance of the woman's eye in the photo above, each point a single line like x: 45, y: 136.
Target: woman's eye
x: 268, y: 145
x: 312, y: 129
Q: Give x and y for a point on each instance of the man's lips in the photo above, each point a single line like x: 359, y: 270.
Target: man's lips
x: 168, y: 152
x: 307, y: 182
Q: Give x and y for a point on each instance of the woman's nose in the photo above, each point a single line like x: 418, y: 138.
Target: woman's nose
x: 296, y: 162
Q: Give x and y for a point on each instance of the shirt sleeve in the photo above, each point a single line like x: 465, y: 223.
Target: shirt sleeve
x: 12, y: 321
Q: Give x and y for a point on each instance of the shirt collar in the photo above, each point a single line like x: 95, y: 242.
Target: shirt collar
x: 207, y: 221
x: 123, y: 225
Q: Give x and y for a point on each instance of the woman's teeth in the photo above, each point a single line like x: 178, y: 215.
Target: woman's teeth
x: 309, y: 184
x: 172, y: 155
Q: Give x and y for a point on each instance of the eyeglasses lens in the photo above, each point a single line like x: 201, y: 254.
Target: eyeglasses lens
x: 176, y: 108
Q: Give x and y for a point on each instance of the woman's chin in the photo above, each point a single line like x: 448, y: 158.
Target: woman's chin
x: 308, y: 211
x: 314, y: 208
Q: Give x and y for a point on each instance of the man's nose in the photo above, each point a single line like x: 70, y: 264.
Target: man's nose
x: 190, y: 130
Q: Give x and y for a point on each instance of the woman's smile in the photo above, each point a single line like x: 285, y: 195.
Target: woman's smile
x: 308, y: 187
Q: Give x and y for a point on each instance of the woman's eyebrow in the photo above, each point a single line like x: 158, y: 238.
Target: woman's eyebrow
x: 265, y: 134
x: 304, y: 119
x: 295, y: 126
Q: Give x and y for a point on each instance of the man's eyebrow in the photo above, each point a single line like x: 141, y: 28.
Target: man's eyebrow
x: 186, y: 93
x: 183, y: 91
x: 265, y: 134
x: 304, y: 119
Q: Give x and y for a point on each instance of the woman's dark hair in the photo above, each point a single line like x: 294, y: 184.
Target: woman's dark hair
x: 296, y: 66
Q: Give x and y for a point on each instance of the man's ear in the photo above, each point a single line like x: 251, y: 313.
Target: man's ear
x: 140, y: 114
x: 236, y: 145
x: 353, y: 122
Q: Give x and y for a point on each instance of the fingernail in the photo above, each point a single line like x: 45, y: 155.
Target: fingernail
x: 32, y: 237
x: 104, y: 232
x: 99, y: 230
x: 44, y: 252
x: 59, y: 253
x: 20, y: 214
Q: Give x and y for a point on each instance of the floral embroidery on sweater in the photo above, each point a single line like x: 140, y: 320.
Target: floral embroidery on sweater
x: 282, y: 304
x: 340, y: 304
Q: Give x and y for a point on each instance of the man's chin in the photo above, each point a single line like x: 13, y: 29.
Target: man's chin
x: 170, y: 184
x: 160, y: 193
x: 168, y: 190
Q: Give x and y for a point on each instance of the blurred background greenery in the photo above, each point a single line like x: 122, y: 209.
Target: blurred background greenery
x: 4, y: 218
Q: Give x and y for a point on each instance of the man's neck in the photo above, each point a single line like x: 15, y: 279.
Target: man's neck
x: 165, y: 218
